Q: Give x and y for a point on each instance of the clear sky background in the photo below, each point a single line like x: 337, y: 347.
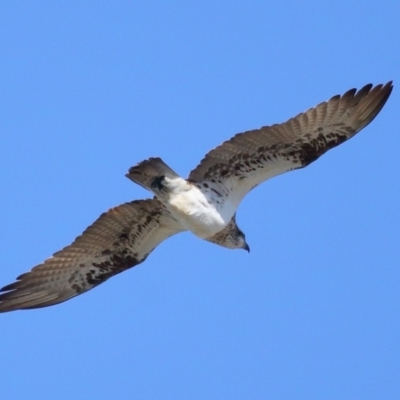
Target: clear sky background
x: 90, y: 88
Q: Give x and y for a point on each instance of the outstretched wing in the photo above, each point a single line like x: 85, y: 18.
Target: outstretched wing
x: 249, y: 158
x: 120, y: 239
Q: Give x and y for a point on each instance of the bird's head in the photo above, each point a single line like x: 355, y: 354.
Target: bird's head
x: 232, y: 237
x: 239, y: 240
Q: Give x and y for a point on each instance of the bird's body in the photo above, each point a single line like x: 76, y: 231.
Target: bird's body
x: 199, y: 213
x: 204, y: 204
x: 197, y: 209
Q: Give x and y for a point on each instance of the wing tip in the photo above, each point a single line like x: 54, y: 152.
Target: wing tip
x: 26, y: 300
x: 372, y: 101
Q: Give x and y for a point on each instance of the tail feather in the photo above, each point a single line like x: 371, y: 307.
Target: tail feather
x: 146, y: 171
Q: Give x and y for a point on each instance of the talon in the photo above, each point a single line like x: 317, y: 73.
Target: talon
x: 157, y: 182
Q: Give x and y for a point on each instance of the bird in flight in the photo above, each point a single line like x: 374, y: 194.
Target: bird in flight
x: 204, y: 204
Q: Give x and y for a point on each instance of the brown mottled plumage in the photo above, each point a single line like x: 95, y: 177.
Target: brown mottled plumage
x: 120, y: 239
x: 250, y: 158
x: 124, y: 236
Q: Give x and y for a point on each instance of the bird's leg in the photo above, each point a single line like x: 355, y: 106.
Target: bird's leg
x: 158, y: 183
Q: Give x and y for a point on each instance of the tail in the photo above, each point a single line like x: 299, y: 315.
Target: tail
x: 146, y: 172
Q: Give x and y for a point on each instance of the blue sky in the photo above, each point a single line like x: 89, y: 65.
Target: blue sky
x: 90, y: 88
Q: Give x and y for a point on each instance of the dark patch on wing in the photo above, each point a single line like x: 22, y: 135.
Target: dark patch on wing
x: 310, y: 151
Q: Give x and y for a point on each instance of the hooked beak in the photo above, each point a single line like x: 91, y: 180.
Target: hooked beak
x: 246, y: 247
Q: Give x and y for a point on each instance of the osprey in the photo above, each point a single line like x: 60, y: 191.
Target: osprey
x: 204, y: 204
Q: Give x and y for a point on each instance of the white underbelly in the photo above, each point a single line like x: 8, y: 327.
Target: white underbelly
x: 202, y: 225
x: 197, y: 215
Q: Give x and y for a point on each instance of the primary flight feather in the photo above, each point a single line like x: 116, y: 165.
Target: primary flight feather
x: 204, y: 204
